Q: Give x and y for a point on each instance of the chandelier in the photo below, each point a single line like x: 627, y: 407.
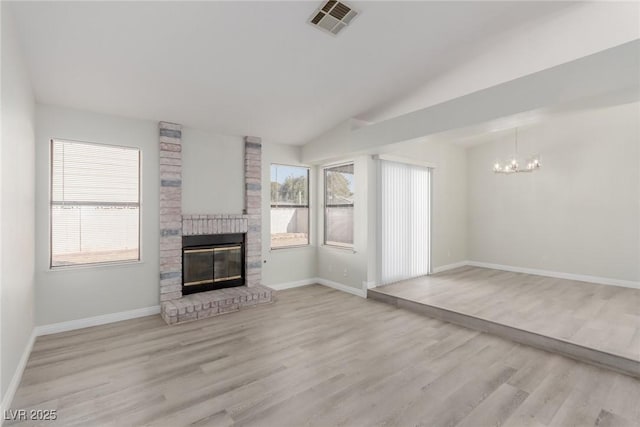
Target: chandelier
x: 515, y: 165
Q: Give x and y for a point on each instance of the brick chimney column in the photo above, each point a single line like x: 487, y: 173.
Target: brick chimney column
x: 253, y: 208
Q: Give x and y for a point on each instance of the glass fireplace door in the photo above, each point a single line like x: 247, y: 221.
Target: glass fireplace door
x: 227, y: 263
x: 198, y: 266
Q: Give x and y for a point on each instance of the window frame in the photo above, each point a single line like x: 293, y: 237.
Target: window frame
x: 52, y: 204
x: 308, y: 206
x: 337, y: 245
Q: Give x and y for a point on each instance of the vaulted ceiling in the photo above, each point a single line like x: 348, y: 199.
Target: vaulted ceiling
x: 250, y: 68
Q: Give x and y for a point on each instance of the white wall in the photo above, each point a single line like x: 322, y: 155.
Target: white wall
x: 213, y: 182
x: 579, y: 214
x: 68, y: 294
x: 449, y: 198
x: 288, y: 264
x: 75, y: 293
x: 212, y: 173
x: 449, y: 245
x: 17, y: 210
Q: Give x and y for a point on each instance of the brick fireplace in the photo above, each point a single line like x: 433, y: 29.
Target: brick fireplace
x: 176, y: 307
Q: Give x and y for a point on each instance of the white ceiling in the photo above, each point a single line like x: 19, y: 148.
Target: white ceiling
x: 250, y: 68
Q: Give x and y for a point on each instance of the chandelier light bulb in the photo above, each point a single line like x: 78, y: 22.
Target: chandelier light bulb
x: 513, y: 166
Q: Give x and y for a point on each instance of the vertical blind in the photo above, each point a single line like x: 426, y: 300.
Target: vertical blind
x: 95, y: 203
x: 404, y: 221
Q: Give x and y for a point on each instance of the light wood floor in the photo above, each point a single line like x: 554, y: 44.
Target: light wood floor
x: 603, y: 317
x: 317, y: 357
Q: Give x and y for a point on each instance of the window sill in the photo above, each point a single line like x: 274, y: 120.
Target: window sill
x: 348, y: 249
x: 95, y: 266
x: 284, y: 248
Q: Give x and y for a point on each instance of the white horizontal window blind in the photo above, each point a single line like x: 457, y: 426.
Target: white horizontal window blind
x: 95, y: 203
x: 405, y: 221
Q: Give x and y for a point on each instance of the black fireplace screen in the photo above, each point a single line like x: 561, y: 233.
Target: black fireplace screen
x: 212, y: 262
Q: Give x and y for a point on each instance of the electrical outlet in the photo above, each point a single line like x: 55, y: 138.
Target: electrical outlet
x: 346, y: 272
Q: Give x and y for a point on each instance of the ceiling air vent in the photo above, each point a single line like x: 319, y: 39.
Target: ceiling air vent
x: 332, y: 16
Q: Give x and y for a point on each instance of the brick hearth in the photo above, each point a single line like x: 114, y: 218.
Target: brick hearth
x: 213, y: 303
x: 173, y: 225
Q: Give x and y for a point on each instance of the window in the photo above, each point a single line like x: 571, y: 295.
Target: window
x: 289, y: 206
x: 338, y: 205
x: 95, y: 203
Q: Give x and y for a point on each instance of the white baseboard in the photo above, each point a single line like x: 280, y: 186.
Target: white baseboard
x: 317, y: 280
x: 369, y: 285
x: 17, y: 376
x: 344, y: 288
x: 559, y: 275
x: 450, y: 266
x: 71, y: 325
x: 294, y: 284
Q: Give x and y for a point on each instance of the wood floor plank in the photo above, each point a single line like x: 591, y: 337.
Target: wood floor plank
x: 316, y: 357
x: 583, y: 405
x: 624, y: 398
x: 496, y: 408
x: 544, y: 402
x: 607, y: 419
x: 604, y: 317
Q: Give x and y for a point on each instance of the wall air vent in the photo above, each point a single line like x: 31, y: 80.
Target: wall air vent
x: 332, y: 16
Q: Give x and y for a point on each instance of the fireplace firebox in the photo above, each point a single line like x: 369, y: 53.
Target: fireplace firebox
x: 212, y: 261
